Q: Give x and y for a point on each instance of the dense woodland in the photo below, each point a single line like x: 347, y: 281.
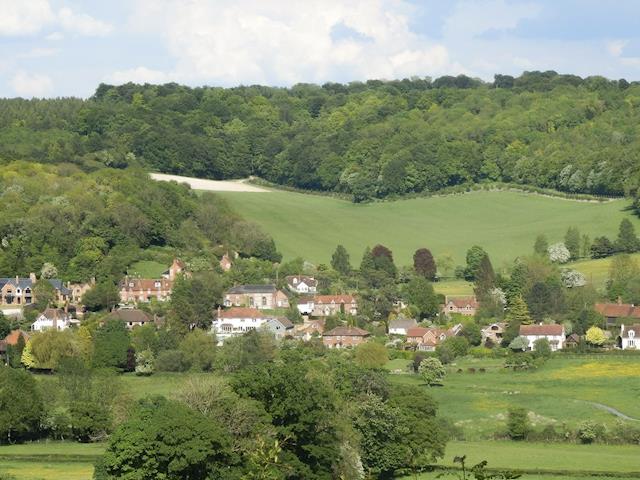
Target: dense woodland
x: 84, y: 225
x: 369, y: 140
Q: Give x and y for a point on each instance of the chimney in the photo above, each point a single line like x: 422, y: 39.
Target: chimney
x: 619, y: 300
x: 17, y: 280
x: 219, y: 311
x: 622, y: 330
x: 32, y: 277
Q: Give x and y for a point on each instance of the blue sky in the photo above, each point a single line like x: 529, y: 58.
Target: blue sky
x: 67, y: 47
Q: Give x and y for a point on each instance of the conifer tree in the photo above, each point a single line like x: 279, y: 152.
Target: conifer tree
x: 541, y: 245
x: 627, y: 239
x: 518, y: 312
x: 340, y: 260
x: 572, y: 242
x: 424, y: 264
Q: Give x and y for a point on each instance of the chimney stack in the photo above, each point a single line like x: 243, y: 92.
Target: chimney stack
x: 619, y: 300
x: 32, y: 277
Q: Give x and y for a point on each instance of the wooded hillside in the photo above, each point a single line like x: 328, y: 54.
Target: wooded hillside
x: 372, y: 139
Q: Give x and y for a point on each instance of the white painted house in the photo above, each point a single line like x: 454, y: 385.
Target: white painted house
x: 301, y: 284
x: 629, y: 337
x: 237, y: 321
x: 52, y: 319
x: 553, y: 333
x: 401, y: 325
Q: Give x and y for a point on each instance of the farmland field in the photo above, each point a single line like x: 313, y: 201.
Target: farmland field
x: 504, y: 223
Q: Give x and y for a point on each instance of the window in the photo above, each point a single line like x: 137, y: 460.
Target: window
x: 157, y: 284
x: 251, y: 302
x: 264, y: 301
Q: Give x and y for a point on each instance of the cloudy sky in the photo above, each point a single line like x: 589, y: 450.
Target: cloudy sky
x: 67, y: 47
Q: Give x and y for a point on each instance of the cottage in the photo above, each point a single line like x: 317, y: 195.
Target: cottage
x: 493, y: 333
x: 280, y: 327
x: 132, y: 317
x: 262, y: 297
x: 613, y: 312
x: 141, y: 290
x: 237, y: 321
x: 461, y: 305
x: 301, y: 284
x: 327, y: 305
x: 309, y: 329
x: 572, y: 341
x: 343, y: 337
x: 53, y: 319
x: 553, y: 333
x: 629, y: 338
x: 400, y: 325
x: 18, y: 291
x: 427, y: 339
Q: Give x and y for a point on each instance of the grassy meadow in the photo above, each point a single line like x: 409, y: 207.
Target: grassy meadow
x: 504, y: 223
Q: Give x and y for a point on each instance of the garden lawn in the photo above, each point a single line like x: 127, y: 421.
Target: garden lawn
x: 597, y: 271
x: 561, y: 392
x: 504, y: 223
x: 147, y: 269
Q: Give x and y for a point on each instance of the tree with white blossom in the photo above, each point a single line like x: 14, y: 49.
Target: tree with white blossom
x: 558, y: 253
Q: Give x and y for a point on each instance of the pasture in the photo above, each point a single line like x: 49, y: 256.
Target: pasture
x: 505, y: 223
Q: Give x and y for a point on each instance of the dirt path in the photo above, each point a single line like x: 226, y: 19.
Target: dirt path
x: 210, y: 185
x: 613, y: 411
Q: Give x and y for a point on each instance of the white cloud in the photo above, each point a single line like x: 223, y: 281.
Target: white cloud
x: 615, y: 47
x: 82, y: 23
x: 138, y: 75
x: 31, y: 85
x: 281, y: 42
x: 38, y: 53
x: 54, y: 37
x: 27, y: 17
x: 471, y: 18
x: 24, y: 17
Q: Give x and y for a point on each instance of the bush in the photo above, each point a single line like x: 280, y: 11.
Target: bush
x: 432, y: 371
x: 518, y: 427
x: 145, y: 361
x: 172, y: 361
x: 481, y: 352
x: 590, y: 432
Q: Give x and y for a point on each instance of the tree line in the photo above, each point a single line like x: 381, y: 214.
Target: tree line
x: 375, y: 139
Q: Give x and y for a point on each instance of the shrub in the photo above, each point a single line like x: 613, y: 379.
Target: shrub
x: 432, y: 371
x: 518, y: 427
x: 172, y: 361
x: 481, y: 352
x: 541, y: 348
x: 589, y: 431
x: 145, y: 361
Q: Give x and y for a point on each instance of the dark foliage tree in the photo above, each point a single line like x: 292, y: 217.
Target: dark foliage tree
x: 383, y: 260
x: 485, y: 280
x: 572, y: 242
x: 21, y: 406
x: 111, y: 345
x: 602, y: 247
x: 541, y: 245
x: 420, y: 294
x: 424, y: 263
x: 474, y: 258
x: 627, y: 240
x: 103, y: 296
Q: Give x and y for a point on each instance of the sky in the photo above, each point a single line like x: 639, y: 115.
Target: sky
x: 51, y: 48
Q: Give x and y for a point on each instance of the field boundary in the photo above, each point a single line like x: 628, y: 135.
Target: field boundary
x: 541, y: 471
x: 54, y: 458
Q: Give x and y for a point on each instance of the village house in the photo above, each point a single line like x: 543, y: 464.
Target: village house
x: 344, y: 337
x: 301, y: 284
x: 461, y: 305
x: 327, y: 305
x: 629, y: 338
x: 18, y: 291
x: 426, y: 339
x: 493, y: 333
x: 572, y: 341
x: 131, y: 317
x: 237, y: 321
x: 553, y: 333
x: 309, y: 329
x: 280, y: 327
x: 400, y: 325
x: 11, y: 340
x: 79, y: 289
x: 614, y: 312
x: 53, y: 319
x: 142, y: 290
x: 262, y: 297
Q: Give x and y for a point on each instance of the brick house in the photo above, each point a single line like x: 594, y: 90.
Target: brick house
x: 553, y: 333
x: 141, y: 290
x: 327, y: 305
x: 461, y: 305
x: 426, y: 339
x: 262, y: 297
x: 309, y: 329
x: 18, y: 291
x: 344, y: 337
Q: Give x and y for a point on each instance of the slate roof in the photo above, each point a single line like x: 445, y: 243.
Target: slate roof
x: 127, y: 315
x: 25, y: 282
x: 242, y: 289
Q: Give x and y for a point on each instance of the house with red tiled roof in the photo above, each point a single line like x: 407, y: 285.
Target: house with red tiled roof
x: 327, y: 305
x: 554, y: 333
x: 309, y: 329
x: 141, y: 290
x: 461, y: 305
x: 237, y: 321
x: 344, y: 337
x: 427, y: 339
x: 613, y: 312
x: 11, y: 340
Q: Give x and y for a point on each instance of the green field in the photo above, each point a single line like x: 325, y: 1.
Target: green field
x: 597, y: 271
x: 563, y: 391
x: 504, y: 223
x: 147, y: 269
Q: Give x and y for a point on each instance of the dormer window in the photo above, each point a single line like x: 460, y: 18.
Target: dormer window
x: 157, y: 284
x: 632, y: 333
x: 131, y: 284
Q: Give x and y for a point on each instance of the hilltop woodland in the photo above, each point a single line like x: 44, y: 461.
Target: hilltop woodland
x: 368, y: 140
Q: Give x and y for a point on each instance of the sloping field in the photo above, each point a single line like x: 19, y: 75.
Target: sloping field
x: 504, y: 223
